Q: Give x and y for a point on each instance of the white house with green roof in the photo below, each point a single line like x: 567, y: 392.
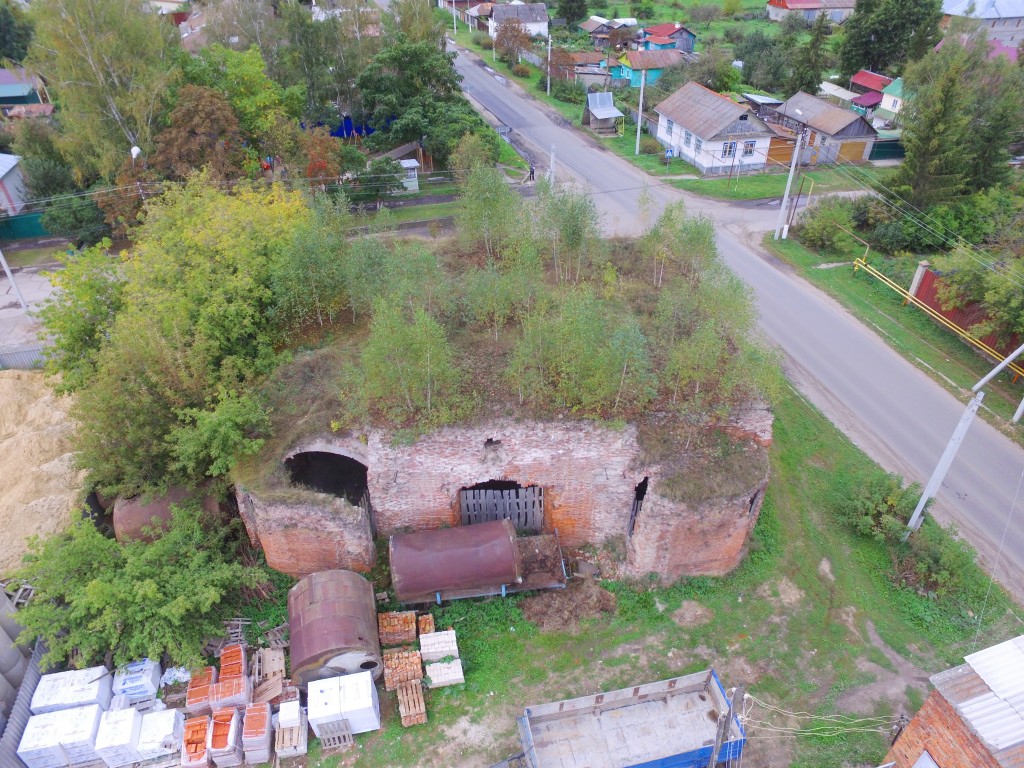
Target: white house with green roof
x: 892, y: 102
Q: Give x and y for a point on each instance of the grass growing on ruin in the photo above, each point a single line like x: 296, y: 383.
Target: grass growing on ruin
x: 791, y: 623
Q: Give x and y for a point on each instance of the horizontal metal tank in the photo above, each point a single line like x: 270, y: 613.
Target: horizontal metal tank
x: 332, y: 617
x: 468, y: 561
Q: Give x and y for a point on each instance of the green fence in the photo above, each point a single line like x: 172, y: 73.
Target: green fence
x: 22, y: 226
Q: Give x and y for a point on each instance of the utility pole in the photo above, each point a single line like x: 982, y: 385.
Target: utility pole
x: 789, y: 184
x: 640, y: 112
x: 549, y: 65
x: 725, y: 725
x: 455, y: 25
x: 17, y: 290
x: 551, y: 170
x: 935, y: 481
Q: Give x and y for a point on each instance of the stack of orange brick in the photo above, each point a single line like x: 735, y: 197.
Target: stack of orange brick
x: 400, y: 666
x: 257, y: 733
x: 426, y: 623
x: 233, y: 687
x: 225, y: 739
x: 194, y: 751
x: 396, y: 627
x: 197, y: 696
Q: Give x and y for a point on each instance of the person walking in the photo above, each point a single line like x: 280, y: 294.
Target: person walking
x: 532, y: 171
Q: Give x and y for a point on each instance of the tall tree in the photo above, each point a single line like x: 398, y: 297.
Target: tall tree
x: 572, y: 10
x: 244, y: 23
x: 15, y: 31
x: 109, y: 63
x: 415, y: 22
x: 203, y: 133
x: 511, y: 39
x: 885, y: 35
x: 404, y: 73
x: 810, y: 60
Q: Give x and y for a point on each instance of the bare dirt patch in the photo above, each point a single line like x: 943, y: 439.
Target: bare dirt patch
x: 825, y: 569
x: 39, y: 486
x: 784, y: 593
x: 888, y: 686
x: 561, y: 610
x: 692, y: 614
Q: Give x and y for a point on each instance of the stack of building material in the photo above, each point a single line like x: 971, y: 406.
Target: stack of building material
x: 336, y: 738
x: 194, y: 750
x: 120, y: 701
x: 232, y: 692
x: 117, y: 740
x: 324, y: 701
x: 292, y: 736
x: 197, y: 697
x: 411, y: 706
x: 75, y: 688
x: 257, y: 734
x: 269, y: 680
x: 289, y: 692
x: 233, y: 662
x: 400, y: 666
x: 442, y: 665
x: 351, y: 698
x: 225, y: 738
x: 396, y: 627
x: 139, y: 680
x: 161, y: 733
x: 425, y: 623
x: 61, y: 738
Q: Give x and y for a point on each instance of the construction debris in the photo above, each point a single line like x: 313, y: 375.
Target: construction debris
x: 400, y: 666
x: 397, y: 627
x: 410, y: 703
x: 278, y: 636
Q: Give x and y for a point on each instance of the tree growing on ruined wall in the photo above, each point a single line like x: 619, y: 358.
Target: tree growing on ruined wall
x: 135, y: 599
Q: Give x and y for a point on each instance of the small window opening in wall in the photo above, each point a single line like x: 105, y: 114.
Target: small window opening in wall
x: 329, y: 473
x: 490, y: 442
x: 494, y: 485
x: 639, y: 492
x: 753, y: 503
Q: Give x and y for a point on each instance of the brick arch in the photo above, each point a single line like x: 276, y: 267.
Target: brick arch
x: 350, y: 447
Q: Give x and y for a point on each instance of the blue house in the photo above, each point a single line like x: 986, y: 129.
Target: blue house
x: 680, y: 37
x: 632, y: 64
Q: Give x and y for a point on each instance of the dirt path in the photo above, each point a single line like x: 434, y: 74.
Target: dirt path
x: 890, y: 684
x: 39, y: 485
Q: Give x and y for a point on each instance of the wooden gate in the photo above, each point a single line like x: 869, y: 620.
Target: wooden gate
x: 523, y: 506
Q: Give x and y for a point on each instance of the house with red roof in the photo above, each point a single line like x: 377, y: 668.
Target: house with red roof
x: 866, y: 81
x: 837, y: 11
x: 670, y: 35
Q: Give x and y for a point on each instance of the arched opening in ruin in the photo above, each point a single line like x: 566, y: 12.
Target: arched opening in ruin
x: 331, y: 473
x: 503, y: 499
x: 639, y: 492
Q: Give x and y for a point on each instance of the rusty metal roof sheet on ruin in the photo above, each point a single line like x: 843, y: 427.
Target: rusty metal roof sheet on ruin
x: 454, y: 560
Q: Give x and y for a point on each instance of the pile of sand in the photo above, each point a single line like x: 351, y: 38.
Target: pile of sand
x: 39, y: 486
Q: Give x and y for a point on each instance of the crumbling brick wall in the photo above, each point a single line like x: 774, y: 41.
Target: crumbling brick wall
x: 938, y: 729
x: 588, y: 472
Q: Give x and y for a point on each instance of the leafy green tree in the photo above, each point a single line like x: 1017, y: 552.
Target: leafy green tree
x: 409, y: 366
x: 488, y: 212
x: 77, y: 219
x: 15, y: 31
x: 210, y: 440
x: 403, y: 74
x: 511, y: 39
x: 203, y: 133
x: 885, y: 35
x: 78, y: 313
x: 714, y: 70
x: 471, y: 152
x: 109, y: 63
x: 811, y: 59
x: 572, y: 10
x: 382, y: 177
x: 415, y: 22
x: 765, y: 60
x: 569, y: 220
x: 137, y: 599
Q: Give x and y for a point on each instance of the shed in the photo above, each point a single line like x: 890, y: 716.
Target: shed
x: 601, y: 114
x: 17, y: 86
x: 832, y: 134
x: 836, y: 94
x: 682, y: 38
x: 411, y: 180
x: 668, y: 723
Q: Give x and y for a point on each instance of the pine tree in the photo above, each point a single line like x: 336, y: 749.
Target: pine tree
x: 809, y: 62
x: 884, y: 35
x: 572, y: 10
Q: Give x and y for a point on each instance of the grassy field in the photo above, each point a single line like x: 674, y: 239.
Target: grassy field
x: 413, y: 213
x: 30, y: 257
x: 654, y: 164
x: 760, y: 185
x: 809, y: 623
x: 906, y: 329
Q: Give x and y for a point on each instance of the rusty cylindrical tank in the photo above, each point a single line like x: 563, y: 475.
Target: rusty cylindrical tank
x: 456, y: 562
x: 332, y: 619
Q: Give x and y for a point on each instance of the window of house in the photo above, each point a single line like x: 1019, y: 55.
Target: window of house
x: 748, y: 148
x: 728, y: 149
x: 895, y: 103
x: 671, y: 127
x: 698, y: 145
x: 687, y: 138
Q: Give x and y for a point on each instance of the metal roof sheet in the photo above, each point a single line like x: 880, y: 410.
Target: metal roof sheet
x: 15, y: 90
x: 527, y: 13
x: 984, y: 9
x: 869, y: 99
x: 667, y: 57
x: 895, y: 88
x: 837, y: 91
x: 7, y: 164
x: 602, y: 106
x: 668, y: 29
x: 817, y: 113
x: 704, y: 112
x: 872, y: 80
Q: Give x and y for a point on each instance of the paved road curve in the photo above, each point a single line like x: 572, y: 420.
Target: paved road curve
x: 893, y: 411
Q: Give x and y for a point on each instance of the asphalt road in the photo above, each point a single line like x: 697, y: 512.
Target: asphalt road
x: 892, y: 410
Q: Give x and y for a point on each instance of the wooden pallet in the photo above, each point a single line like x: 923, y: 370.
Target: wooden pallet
x: 18, y: 592
x: 336, y: 737
x: 411, y: 705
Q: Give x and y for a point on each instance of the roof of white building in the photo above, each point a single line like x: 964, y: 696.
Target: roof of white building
x: 7, y: 164
x: 985, y: 9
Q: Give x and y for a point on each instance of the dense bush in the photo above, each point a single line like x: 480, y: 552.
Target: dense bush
x: 819, y: 225
x: 649, y: 145
x: 521, y: 70
x: 570, y: 93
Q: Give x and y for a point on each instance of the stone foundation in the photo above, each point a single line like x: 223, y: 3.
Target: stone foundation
x: 589, y: 473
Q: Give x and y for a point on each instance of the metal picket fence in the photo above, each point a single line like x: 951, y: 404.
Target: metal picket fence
x: 21, y: 357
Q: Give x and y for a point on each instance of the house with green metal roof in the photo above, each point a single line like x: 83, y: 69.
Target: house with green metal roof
x: 18, y: 87
x: 888, y: 110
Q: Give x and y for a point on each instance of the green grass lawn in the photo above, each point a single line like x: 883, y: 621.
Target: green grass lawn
x: 413, y: 213
x: 508, y: 157
x: 30, y: 257
x: 906, y: 329
x: 761, y: 185
x: 654, y: 164
x: 791, y: 623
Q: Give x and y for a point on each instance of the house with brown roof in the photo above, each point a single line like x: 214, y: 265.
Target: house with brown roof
x: 632, y: 64
x: 973, y: 719
x: 837, y: 11
x: 712, y: 132
x: 831, y: 134
x: 670, y: 35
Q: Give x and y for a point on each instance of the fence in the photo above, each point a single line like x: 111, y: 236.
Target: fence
x: 523, y: 506
x: 21, y: 357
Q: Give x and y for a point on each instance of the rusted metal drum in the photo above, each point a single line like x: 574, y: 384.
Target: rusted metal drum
x: 468, y: 561
x: 332, y: 618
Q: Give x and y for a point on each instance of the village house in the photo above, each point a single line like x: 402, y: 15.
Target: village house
x: 831, y: 134
x: 670, y: 35
x: 837, y: 11
x: 973, y: 718
x: 887, y: 113
x: 712, y: 132
x: 607, y: 32
x: 632, y: 64
x: 17, y: 86
x: 477, y: 16
x: 1002, y: 19
x: 533, y: 17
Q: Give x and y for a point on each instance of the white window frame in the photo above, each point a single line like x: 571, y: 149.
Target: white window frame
x: 671, y: 127
x: 728, y: 149
x: 687, y: 138
x: 698, y: 145
x: 748, y: 148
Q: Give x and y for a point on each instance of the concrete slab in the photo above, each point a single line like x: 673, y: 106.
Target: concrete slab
x: 18, y: 327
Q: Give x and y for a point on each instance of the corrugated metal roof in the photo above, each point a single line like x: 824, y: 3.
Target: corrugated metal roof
x: 959, y: 684
x: 837, y: 91
x: 816, y: 113
x: 15, y: 91
x: 704, y: 112
x: 668, y: 29
x: 895, y: 88
x: 872, y: 80
x: 587, y: 57
x: 652, y: 59
x: 869, y: 99
x: 985, y: 9
x: 602, y: 106
x: 528, y: 13
x: 7, y: 163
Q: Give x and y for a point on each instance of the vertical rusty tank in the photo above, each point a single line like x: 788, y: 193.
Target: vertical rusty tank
x: 332, y: 620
